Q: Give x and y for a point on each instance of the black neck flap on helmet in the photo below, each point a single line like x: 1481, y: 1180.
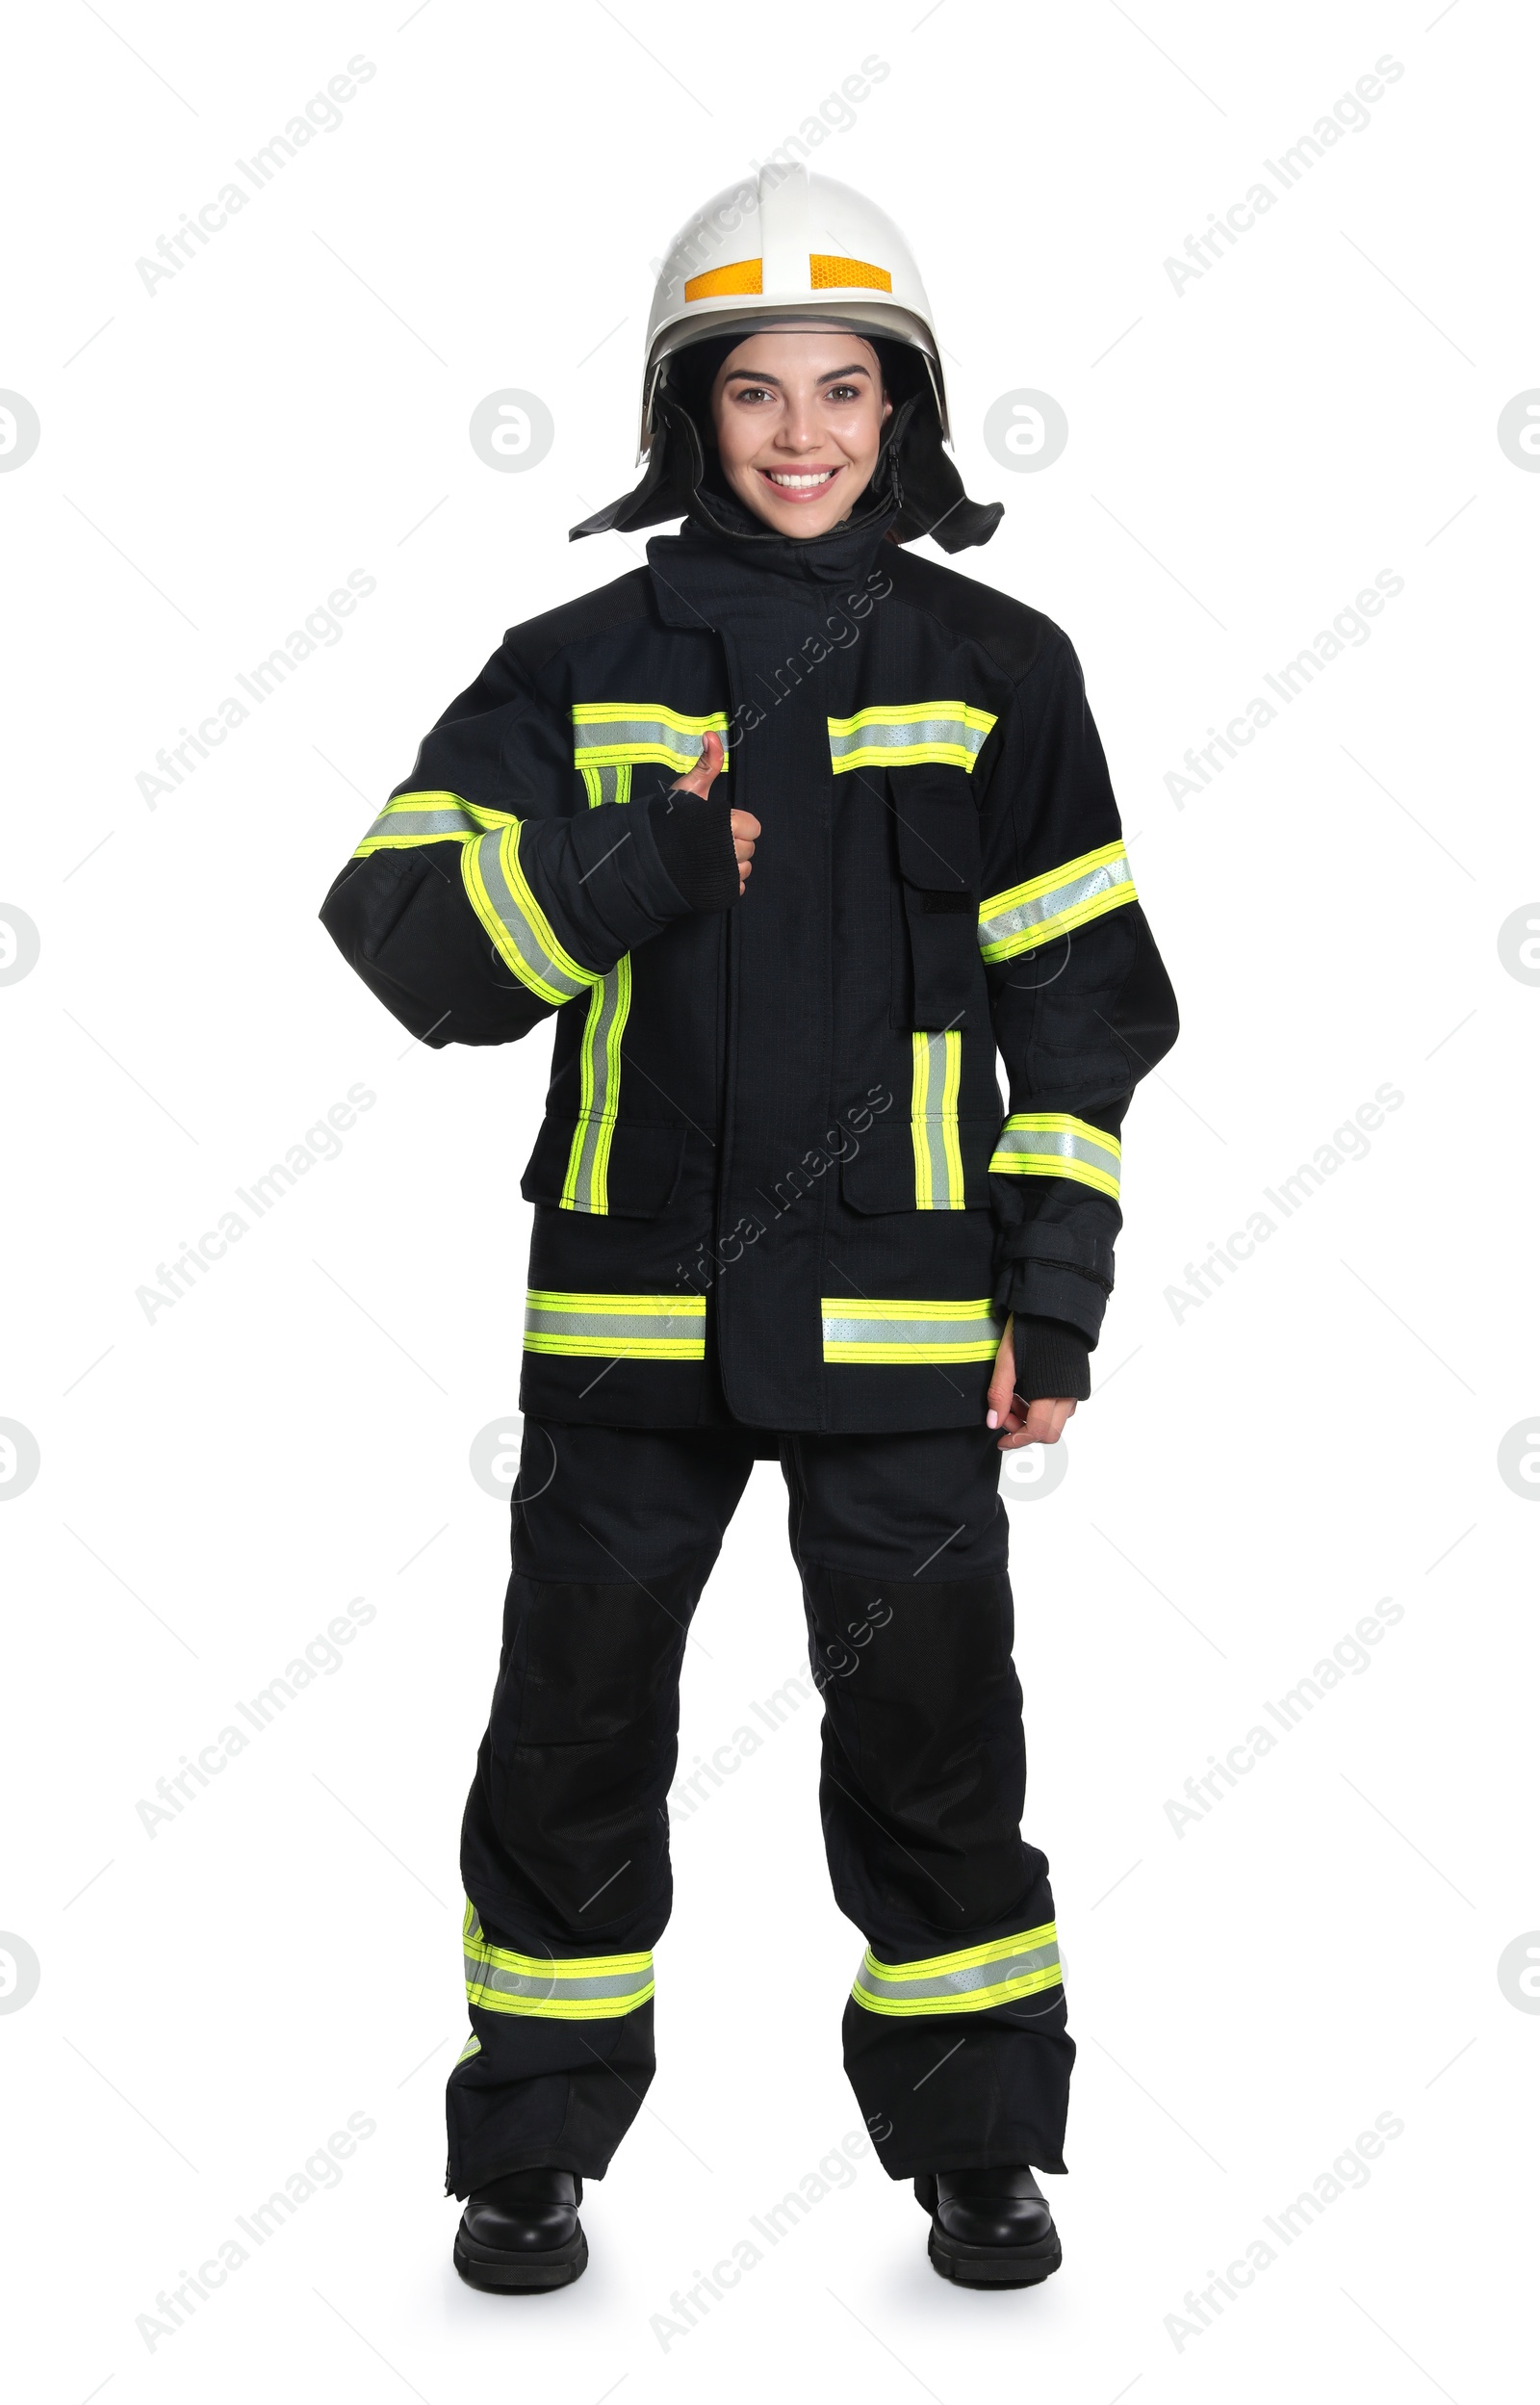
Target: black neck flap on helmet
x: 683, y: 476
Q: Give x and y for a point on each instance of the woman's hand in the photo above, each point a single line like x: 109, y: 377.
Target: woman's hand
x: 1023, y: 1419
x: 745, y: 827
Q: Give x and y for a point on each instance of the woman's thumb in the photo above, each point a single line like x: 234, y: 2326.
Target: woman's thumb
x: 701, y: 776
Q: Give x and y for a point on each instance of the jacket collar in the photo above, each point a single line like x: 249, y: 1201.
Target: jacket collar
x: 725, y: 558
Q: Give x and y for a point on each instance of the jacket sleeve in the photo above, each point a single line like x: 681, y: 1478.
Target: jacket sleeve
x: 1081, y: 1003
x: 483, y: 898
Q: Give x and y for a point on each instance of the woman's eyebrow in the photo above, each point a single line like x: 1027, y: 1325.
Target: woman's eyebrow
x: 757, y: 375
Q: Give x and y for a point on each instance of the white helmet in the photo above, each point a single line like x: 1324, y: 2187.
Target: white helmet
x: 786, y: 245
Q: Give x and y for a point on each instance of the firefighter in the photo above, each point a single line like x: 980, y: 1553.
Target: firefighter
x: 789, y: 832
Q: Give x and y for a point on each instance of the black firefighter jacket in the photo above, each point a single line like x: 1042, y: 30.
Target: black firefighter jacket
x: 775, y: 1180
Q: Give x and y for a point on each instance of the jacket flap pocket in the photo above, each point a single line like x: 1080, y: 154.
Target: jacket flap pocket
x: 936, y: 823
x: 614, y: 1169
x: 897, y: 1162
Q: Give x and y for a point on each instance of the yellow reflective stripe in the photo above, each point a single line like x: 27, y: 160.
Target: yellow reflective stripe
x: 629, y: 1327
x: 898, y: 1333
x: 1027, y: 916
x: 971, y: 1981
x: 585, y: 1988
x: 611, y: 781
x: 586, y: 1184
x: 918, y: 1127
x: 521, y: 932
x: 908, y: 734
x: 638, y: 733
x: 413, y: 818
x: 933, y: 1121
x: 1051, y: 1144
x: 472, y: 2046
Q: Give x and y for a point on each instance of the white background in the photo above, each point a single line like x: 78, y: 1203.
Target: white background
x: 1244, y: 457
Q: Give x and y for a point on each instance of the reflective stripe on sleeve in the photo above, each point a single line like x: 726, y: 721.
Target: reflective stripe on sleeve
x: 1050, y: 1144
x: 635, y: 1327
x: 585, y: 1988
x: 947, y: 733
x: 428, y: 819
x: 472, y: 2046
x: 856, y: 1328
x: 1034, y: 913
x: 501, y: 899
x: 938, y: 1158
x: 969, y: 1981
x: 638, y: 734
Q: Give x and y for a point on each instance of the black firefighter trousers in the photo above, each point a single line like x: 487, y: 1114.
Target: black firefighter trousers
x: 954, y: 2036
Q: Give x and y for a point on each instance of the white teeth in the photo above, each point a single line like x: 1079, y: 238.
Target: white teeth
x: 800, y: 483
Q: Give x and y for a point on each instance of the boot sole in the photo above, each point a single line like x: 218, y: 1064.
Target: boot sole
x: 993, y: 2266
x: 505, y: 2273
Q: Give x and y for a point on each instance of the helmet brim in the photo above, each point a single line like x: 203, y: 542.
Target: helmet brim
x: 731, y: 317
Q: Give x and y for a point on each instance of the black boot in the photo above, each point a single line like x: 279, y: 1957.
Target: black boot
x: 523, y: 2232
x: 989, y: 2229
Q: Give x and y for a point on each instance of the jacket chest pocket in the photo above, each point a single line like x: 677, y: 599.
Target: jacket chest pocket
x: 936, y: 826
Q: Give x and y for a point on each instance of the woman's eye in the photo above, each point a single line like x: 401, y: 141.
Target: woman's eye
x: 843, y: 392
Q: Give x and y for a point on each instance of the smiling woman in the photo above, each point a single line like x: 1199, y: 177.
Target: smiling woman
x: 798, y: 416
x: 768, y: 827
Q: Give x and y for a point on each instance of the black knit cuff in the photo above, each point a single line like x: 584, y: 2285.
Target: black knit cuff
x: 1053, y: 1290
x: 694, y: 836
x: 1052, y: 1359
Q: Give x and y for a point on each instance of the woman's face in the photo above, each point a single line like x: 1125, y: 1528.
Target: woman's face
x: 798, y: 417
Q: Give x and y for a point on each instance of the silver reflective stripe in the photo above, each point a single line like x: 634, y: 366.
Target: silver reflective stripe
x: 938, y: 1158
x: 641, y: 735
x: 960, y: 1984
x: 907, y: 734
x: 430, y: 818
x: 1022, y: 1140
x: 609, y: 734
x: 587, y: 1182
x: 927, y: 1332
x: 610, y: 781
x: 1033, y: 913
x: 472, y: 2046
x: 896, y: 1332
x: 512, y: 913
x: 546, y: 1987
x: 414, y: 826
x: 617, y: 1327
x: 587, y: 1987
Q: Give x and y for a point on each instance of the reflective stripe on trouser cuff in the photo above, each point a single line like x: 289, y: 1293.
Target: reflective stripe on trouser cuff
x: 970, y: 1982
x: 1050, y: 1144
x: 943, y: 734
x: 932, y: 1119
x: 428, y: 819
x: 605, y: 732
x: 638, y: 1327
x: 856, y: 1328
x: 587, y: 1987
x: 501, y: 899
x: 1045, y: 907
